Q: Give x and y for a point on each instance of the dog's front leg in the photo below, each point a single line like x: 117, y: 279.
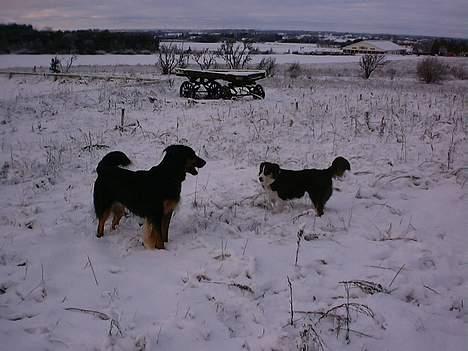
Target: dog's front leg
x: 318, y: 204
x: 278, y: 207
x: 166, y: 220
x: 168, y: 209
x: 152, y: 238
x: 277, y: 204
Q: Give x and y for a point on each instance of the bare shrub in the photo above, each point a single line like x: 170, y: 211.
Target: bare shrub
x: 391, y: 72
x: 458, y: 72
x: 56, y: 65
x: 170, y: 57
x: 430, y: 70
x: 269, y: 65
x: 369, y: 63
x: 236, y: 55
x: 341, y: 314
x: 204, y: 58
x: 294, y: 70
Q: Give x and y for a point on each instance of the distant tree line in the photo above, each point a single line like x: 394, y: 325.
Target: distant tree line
x: 228, y: 35
x: 19, y: 38
x: 456, y: 47
x: 24, y: 39
x: 442, y: 47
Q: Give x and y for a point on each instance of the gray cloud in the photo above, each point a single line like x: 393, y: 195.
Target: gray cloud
x: 424, y: 17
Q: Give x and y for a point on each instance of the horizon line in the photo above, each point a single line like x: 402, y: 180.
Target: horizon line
x: 44, y: 28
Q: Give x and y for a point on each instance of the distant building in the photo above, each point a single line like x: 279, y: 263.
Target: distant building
x: 374, y: 47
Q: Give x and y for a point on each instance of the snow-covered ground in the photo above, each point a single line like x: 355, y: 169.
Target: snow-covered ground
x: 281, y: 52
x: 391, y: 249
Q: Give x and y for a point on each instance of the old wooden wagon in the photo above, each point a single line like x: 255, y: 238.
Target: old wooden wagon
x: 207, y: 83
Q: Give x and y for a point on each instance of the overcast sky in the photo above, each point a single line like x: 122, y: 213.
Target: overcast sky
x: 422, y: 17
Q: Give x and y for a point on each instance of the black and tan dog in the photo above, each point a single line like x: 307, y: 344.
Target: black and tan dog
x: 283, y: 184
x: 151, y: 194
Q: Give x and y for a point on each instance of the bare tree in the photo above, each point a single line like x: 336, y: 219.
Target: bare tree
x: 430, y: 70
x: 370, y: 62
x: 236, y: 55
x: 459, y: 72
x: 183, y: 56
x: 269, y: 65
x: 68, y: 63
x: 204, y: 58
x: 170, y: 57
x: 294, y: 70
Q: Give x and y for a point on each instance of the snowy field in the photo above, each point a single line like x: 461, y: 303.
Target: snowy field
x: 385, y: 268
x: 29, y: 61
x: 271, y: 47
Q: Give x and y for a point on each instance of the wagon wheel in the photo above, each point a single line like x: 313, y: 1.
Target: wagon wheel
x: 186, y: 90
x: 226, y: 92
x: 258, y: 92
x: 213, y: 89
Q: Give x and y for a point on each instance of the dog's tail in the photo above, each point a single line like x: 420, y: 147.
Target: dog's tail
x: 113, y: 159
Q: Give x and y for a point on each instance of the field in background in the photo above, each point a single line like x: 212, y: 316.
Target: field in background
x: 279, y: 53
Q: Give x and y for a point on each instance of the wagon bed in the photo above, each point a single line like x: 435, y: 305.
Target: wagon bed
x: 205, y: 83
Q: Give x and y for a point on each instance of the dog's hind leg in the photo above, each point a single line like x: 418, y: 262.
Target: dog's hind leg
x: 118, y: 212
x: 152, y: 238
x: 102, y: 221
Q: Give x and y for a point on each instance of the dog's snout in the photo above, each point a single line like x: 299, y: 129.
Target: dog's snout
x: 201, y: 162
x: 260, y: 179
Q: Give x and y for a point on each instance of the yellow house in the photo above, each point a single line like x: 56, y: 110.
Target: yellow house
x: 374, y: 47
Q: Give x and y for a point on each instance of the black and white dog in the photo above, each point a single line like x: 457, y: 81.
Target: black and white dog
x: 283, y: 184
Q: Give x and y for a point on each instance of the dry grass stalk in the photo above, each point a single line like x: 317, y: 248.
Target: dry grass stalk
x: 92, y: 269
x: 310, y: 340
x: 243, y: 287
x: 300, y: 235
x: 291, y: 321
x: 366, y: 286
x: 97, y: 314
x: 396, y: 275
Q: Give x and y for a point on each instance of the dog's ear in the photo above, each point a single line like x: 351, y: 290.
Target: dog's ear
x: 275, y: 169
x: 169, y: 150
x: 262, y: 166
x: 181, y: 152
x: 178, y: 148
